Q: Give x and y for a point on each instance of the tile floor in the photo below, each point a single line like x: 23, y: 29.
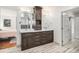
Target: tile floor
x: 47, y: 48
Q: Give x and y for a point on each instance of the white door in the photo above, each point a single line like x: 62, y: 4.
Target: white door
x: 66, y: 29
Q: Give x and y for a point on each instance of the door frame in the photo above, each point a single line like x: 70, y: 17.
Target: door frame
x: 61, y: 29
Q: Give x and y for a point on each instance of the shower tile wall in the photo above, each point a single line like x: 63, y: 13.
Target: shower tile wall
x: 76, y: 28
x: 66, y: 29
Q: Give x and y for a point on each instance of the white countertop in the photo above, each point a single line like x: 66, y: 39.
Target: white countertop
x: 34, y: 31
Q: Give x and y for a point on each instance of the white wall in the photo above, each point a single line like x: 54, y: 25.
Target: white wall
x: 6, y: 13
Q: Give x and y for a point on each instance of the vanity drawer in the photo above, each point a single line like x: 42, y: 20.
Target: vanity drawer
x: 27, y: 35
x: 33, y: 43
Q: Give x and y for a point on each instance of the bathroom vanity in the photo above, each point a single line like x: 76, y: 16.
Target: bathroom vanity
x: 30, y: 30
x: 36, y: 38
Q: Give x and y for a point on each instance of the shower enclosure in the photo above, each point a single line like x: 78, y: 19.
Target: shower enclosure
x: 70, y: 26
x: 66, y: 28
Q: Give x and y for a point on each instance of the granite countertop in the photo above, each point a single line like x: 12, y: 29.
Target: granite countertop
x: 35, y: 31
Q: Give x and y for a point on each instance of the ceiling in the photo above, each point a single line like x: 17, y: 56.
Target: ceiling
x: 73, y: 11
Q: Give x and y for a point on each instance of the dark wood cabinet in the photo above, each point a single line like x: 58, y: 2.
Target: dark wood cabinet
x: 24, y: 44
x: 33, y: 39
x: 38, y: 17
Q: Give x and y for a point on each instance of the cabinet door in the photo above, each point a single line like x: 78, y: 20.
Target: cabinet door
x: 24, y: 43
x: 34, y: 41
x: 38, y: 17
x: 31, y: 43
x: 47, y: 37
x: 38, y: 14
x: 50, y: 36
